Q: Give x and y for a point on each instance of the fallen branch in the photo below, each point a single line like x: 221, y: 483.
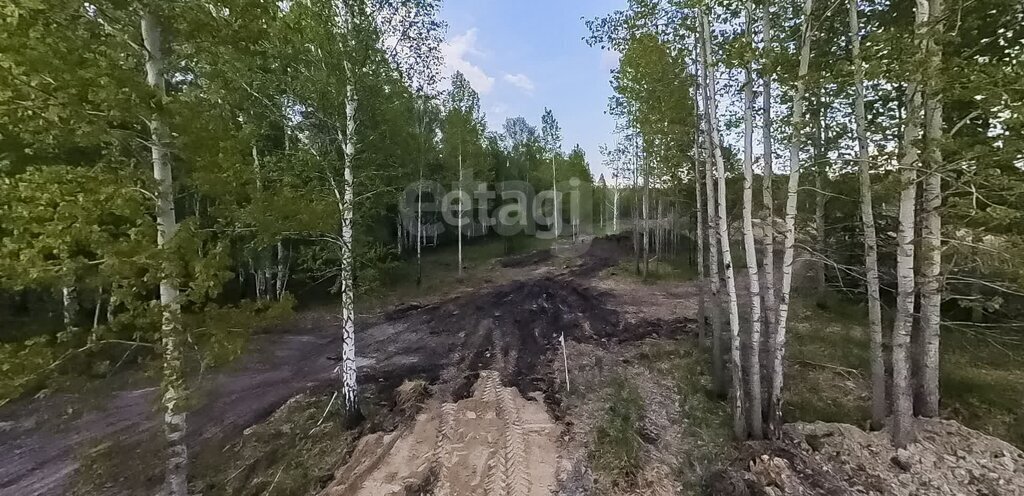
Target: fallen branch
x: 843, y: 370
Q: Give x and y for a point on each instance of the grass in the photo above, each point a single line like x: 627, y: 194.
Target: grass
x: 652, y: 429
x: 293, y: 452
x: 440, y: 267
x: 617, y: 448
x: 668, y: 269
x: 981, y: 373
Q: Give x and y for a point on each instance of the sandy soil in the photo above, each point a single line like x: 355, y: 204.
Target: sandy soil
x: 494, y: 442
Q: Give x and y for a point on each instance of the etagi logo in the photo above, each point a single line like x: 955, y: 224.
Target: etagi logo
x: 508, y: 208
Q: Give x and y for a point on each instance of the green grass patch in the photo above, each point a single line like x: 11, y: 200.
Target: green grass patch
x: 440, y: 266
x: 617, y: 447
x: 665, y: 269
x: 828, y: 371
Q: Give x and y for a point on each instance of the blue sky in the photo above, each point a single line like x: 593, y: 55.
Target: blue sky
x: 524, y: 55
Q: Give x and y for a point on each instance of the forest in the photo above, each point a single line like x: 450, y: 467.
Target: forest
x: 275, y: 247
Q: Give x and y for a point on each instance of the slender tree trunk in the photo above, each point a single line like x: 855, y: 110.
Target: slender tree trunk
x: 820, y: 170
x: 753, y: 365
x: 348, y: 290
x: 768, y: 198
x: 173, y: 398
x: 282, y: 269
x: 419, y: 229
x: 615, y: 210
x: 902, y: 391
x: 348, y: 352
x: 69, y: 297
x: 646, y: 220
x: 714, y: 146
x: 931, y: 226
x: 698, y: 175
x: 458, y: 229
x: 636, y: 204
x: 879, y: 408
x: 554, y: 190
x: 767, y: 193
x: 778, y: 344
x: 718, y: 381
x: 99, y: 308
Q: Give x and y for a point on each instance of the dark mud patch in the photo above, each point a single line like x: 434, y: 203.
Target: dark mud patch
x: 514, y: 328
x: 526, y: 259
x: 604, y: 252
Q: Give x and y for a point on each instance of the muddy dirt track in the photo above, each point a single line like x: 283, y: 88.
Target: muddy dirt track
x: 509, y: 327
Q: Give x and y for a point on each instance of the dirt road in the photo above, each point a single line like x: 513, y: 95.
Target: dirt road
x: 508, y: 328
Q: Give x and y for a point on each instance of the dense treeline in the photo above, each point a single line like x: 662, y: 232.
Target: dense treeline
x: 899, y: 128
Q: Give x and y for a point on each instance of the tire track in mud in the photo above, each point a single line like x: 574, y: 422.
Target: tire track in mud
x: 494, y: 442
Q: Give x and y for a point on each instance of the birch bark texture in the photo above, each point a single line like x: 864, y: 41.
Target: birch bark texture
x: 714, y: 145
x: 902, y: 390
x: 698, y: 176
x: 173, y: 381
x: 752, y: 366
x: 879, y: 405
x: 348, y: 352
x: 718, y: 384
x: 767, y: 195
x: 927, y: 401
x: 778, y: 344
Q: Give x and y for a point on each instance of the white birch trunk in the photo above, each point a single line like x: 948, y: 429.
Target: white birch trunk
x: 879, y: 407
x: 458, y: 229
x: 69, y: 298
x: 768, y: 196
x: 778, y: 344
x: 931, y: 227
x: 282, y: 269
x: 701, y: 231
x: 176, y: 481
x: 753, y: 365
x: 348, y: 355
x: 554, y: 190
x: 718, y: 382
x: 714, y: 146
x: 646, y: 221
x: 615, y: 210
x: 902, y: 390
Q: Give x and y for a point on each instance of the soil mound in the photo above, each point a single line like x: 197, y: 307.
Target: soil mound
x: 509, y: 328
x: 526, y: 259
x: 494, y: 442
x: 604, y: 252
x: 839, y: 459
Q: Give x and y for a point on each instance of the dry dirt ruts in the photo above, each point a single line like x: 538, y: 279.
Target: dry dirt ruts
x: 823, y: 459
x: 494, y: 442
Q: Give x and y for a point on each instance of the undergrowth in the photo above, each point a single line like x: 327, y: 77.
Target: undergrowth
x: 828, y: 367
x: 617, y: 448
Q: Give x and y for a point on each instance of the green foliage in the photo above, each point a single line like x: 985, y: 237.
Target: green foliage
x: 617, y: 447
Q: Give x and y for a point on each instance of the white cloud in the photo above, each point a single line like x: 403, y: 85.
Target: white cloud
x: 456, y: 52
x: 521, y: 81
x: 499, y: 109
x: 609, y: 60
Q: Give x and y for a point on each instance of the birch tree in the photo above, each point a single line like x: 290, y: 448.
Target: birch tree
x: 767, y: 195
x: 551, y: 134
x: 718, y: 381
x: 713, y: 141
x: 778, y: 345
x: 879, y: 405
x: 903, y: 322
x: 927, y: 397
x: 753, y: 359
x: 173, y: 397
